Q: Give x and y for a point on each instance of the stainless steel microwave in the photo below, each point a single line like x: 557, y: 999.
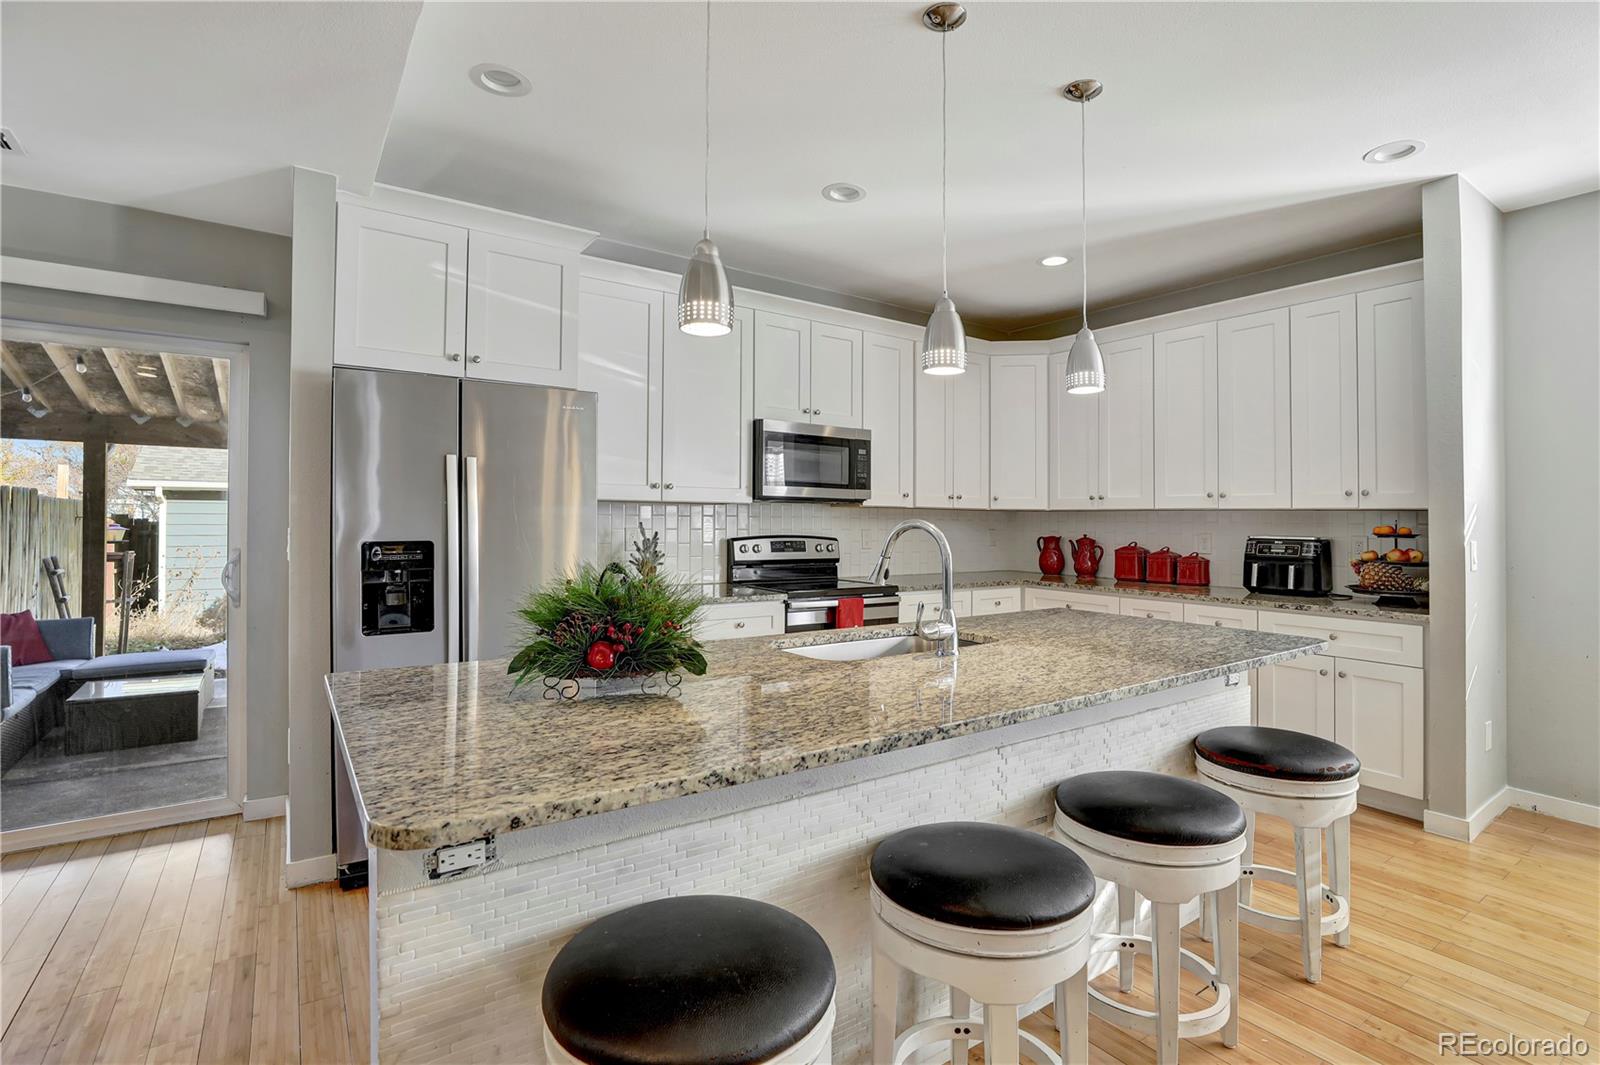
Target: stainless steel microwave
x: 820, y: 463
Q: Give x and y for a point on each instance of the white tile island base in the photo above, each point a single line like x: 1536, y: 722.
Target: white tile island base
x: 459, y: 964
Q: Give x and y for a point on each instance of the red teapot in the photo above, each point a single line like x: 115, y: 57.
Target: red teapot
x: 1086, y: 555
x: 1051, y: 560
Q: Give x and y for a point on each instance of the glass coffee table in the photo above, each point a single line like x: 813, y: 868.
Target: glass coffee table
x: 112, y: 715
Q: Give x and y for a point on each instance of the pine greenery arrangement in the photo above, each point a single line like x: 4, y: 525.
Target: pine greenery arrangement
x: 604, y: 622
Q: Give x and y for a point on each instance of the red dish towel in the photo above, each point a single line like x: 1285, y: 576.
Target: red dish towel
x: 850, y: 614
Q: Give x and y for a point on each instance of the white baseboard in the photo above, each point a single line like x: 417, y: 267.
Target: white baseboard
x: 1581, y: 813
x: 1467, y: 829
x: 318, y: 870
x: 19, y: 839
x: 261, y: 809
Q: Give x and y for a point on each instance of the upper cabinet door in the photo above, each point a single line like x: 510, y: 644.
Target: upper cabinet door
x: 782, y: 367
x: 834, y: 375
x: 620, y: 361
x: 932, y: 453
x: 1074, y: 443
x: 887, y: 364
x: 705, y: 415
x: 1186, y: 417
x: 1019, y: 435
x: 1127, y: 463
x: 1391, y: 380
x: 1253, y: 411
x: 400, y: 293
x: 522, y: 311
x: 1322, y: 402
x: 969, y: 434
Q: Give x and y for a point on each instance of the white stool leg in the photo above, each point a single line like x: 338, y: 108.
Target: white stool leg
x: 960, y: 1007
x: 1002, y: 1042
x: 1248, y: 858
x: 885, y: 1005
x: 1072, y: 1017
x: 1226, y: 953
x: 1339, y: 859
x: 1308, y: 867
x: 1167, y: 941
x: 1127, y: 908
x: 1208, y: 917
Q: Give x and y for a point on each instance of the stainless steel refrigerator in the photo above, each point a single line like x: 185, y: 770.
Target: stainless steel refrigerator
x: 452, y: 500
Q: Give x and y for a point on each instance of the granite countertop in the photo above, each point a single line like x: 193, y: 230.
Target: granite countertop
x: 443, y: 754
x: 1216, y: 593
x: 716, y: 592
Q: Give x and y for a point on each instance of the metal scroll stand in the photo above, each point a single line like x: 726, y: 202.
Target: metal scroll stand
x: 124, y: 597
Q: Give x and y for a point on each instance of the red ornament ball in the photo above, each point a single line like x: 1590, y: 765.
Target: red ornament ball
x: 601, y: 655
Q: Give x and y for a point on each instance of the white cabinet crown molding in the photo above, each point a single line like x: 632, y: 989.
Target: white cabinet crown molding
x: 471, y: 216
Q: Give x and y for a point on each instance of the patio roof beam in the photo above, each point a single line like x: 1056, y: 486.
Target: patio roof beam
x: 20, y: 377
x: 172, y: 366
x: 122, y: 366
x: 219, y: 373
x: 66, y: 364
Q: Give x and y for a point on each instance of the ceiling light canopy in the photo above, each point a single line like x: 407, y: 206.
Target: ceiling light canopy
x: 705, y: 298
x: 843, y: 192
x: 1394, y: 151
x: 1055, y: 260
x: 944, y: 344
x: 499, y: 80
x: 1086, y: 371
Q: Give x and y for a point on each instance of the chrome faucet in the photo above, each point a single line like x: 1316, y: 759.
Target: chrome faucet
x: 943, y: 629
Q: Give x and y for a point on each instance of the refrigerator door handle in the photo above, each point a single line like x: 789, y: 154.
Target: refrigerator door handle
x: 452, y: 557
x: 471, y: 536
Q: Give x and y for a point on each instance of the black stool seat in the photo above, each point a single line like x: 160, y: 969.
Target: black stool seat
x: 696, y: 980
x: 1276, y: 752
x: 978, y: 875
x: 1151, y: 808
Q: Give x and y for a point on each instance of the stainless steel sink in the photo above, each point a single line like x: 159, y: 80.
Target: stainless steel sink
x: 862, y: 650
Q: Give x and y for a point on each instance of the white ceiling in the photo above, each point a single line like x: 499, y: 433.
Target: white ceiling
x: 196, y: 109
x: 1229, y: 136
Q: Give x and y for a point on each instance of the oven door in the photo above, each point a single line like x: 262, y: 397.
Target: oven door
x: 826, y: 463
x: 809, y: 615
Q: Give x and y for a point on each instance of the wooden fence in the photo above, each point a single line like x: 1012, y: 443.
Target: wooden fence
x: 32, y: 527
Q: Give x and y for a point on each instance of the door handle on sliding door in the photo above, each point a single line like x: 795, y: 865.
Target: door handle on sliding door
x: 471, y: 536
x: 451, y: 590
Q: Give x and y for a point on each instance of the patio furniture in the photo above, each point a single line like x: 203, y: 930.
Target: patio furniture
x: 113, y: 715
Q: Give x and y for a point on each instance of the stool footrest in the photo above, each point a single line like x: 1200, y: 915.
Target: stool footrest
x: 940, y: 1030
x: 1190, y: 1025
x: 1332, y: 923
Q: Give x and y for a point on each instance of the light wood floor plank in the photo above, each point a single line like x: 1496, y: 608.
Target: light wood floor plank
x: 83, y: 1025
x: 114, y: 949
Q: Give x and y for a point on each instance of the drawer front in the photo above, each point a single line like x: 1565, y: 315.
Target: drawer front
x: 1393, y: 643
x: 1049, y: 598
x: 1218, y: 616
x: 1139, y: 607
x: 961, y: 602
x: 735, y: 621
x: 996, y: 601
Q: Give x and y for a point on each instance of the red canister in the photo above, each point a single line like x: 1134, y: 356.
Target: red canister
x: 1195, y: 569
x: 1162, y: 567
x: 1130, y: 561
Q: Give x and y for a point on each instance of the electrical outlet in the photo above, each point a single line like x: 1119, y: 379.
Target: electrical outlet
x: 449, y: 861
x: 1359, y: 544
x: 1204, y: 543
x: 1488, y: 735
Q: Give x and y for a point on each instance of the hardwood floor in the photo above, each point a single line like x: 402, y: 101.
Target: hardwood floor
x: 183, y: 945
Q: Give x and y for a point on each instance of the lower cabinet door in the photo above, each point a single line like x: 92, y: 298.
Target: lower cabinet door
x: 1298, y: 695
x: 1378, y: 714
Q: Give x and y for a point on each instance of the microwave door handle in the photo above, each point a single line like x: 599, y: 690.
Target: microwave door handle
x: 470, y: 537
x: 452, y: 558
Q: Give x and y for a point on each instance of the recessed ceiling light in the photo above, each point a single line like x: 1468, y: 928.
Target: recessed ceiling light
x: 844, y: 192
x: 1394, y: 151
x: 502, y: 81
x: 1055, y: 260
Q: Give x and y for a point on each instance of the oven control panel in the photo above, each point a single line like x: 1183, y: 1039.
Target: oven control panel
x: 782, y: 548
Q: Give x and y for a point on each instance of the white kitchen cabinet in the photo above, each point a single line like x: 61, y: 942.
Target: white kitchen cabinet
x: 1391, y: 382
x: 400, y: 292
x: 1138, y: 606
x: 705, y: 415
x: 620, y: 361
x: 960, y: 602
x: 952, y: 438
x: 1253, y: 434
x: 1391, y: 642
x: 996, y: 601
x: 806, y: 371
x: 1074, y: 443
x: 1050, y: 598
x: 1019, y: 432
x: 1298, y: 695
x: 1322, y: 403
x: 733, y: 621
x: 1378, y: 714
x: 522, y: 311
x: 1102, y: 446
x: 1219, y: 615
x: 888, y: 409
x: 1186, y: 417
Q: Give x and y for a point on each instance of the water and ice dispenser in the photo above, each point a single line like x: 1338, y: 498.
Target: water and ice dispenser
x: 396, y: 587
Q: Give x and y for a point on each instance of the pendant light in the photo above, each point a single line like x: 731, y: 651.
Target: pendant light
x: 705, y: 299
x: 1086, y: 371
x: 944, y: 345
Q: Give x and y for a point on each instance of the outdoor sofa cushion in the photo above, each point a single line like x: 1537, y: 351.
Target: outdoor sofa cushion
x: 42, y: 675
x: 142, y: 664
x: 19, y: 700
x: 68, y: 637
x: 21, y: 633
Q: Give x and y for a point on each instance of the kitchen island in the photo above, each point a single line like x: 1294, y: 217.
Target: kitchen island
x: 771, y: 777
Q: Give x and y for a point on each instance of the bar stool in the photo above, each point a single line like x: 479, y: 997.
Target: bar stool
x: 1170, y: 840
x: 693, y: 980
x: 1001, y: 915
x: 1309, y: 782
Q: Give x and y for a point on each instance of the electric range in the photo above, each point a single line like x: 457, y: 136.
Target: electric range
x: 806, y: 570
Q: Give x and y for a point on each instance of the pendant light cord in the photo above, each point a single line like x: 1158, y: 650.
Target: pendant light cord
x: 705, y: 184
x: 1083, y: 186
x: 944, y: 166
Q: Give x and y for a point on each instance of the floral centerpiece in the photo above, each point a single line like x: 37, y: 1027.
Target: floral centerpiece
x: 605, y: 624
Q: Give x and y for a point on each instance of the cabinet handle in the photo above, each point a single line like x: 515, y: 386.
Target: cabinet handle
x: 995, y: 498
x: 1209, y: 495
x: 454, y: 356
x: 1091, y: 499
x: 1149, y: 613
x: 738, y: 624
x: 1222, y: 495
x: 1365, y: 492
x: 1218, y: 624
x: 1348, y: 493
x: 1342, y: 674
x: 905, y: 495
x: 667, y: 485
x: 1331, y: 635
x: 1322, y: 673
x: 1100, y: 497
x: 949, y: 497
x: 960, y: 496
x: 655, y: 484
x: 477, y: 358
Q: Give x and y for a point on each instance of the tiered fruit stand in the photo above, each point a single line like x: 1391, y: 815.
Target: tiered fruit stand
x: 1394, y: 583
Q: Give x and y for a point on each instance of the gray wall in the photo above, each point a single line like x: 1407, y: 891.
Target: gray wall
x: 1551, y: 267
x: 38, y: 225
